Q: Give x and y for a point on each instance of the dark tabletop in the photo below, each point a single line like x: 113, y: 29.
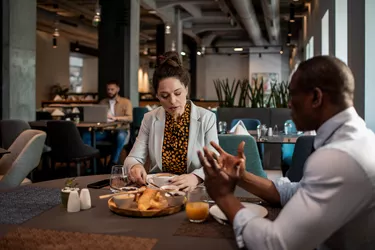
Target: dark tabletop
x: 100, y: 220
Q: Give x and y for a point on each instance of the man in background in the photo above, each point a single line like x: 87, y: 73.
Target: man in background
x: 119, y: 110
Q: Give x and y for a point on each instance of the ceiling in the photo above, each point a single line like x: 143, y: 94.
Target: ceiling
x: 212, y: 23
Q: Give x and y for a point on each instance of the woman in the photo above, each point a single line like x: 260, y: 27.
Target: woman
x: 171, y: 134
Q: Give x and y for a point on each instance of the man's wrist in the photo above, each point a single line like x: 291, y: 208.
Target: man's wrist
x: 230, y: 205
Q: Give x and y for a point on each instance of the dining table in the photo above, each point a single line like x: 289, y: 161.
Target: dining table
x: 32, y: 217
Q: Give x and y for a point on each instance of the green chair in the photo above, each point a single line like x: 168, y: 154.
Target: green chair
x: 287, y: 151
x: 253, y: 164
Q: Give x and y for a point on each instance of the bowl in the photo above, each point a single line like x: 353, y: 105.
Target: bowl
x: 175, y: 198
x: 162, y: 179
x: 169, y: 188
x: 123, y: 201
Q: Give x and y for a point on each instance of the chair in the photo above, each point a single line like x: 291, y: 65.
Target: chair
x: 287, y: 151
x: 230, y: 144
x: 251, y: 124
x: 25, y: 154
x: 67, y: 145
x: 304, y: 148
x: 10, y: 130
x: 138, y: 114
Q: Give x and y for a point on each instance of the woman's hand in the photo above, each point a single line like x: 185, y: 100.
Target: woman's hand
x: 186, y: 182
x: 137, y: 174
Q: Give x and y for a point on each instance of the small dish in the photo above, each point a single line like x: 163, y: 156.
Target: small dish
x: 169, y: 188
x: 175, y: 198
x: 123, y: 200
x: 162, y: 179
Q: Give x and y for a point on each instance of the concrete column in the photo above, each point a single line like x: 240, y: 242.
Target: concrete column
x: 356, y: 51
x: 119, y: 47
x: 178, y: 33
x: 18, y: 34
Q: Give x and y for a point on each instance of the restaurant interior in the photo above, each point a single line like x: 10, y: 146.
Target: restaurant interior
x: 61, y: 57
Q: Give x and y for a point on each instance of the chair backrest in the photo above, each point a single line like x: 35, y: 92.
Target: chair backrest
x: 230, y: 144
x: 250, y: 124
x: 293, y: 129
x: 303, y: 149
x: 10, y: 130
x: 138, y: 113
x: 64, y: 139
x: 25, y: 153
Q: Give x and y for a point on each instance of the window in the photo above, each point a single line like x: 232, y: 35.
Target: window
x: 311, y: 47
x: 75, y: 77
x: 325, y: 33
x: 341, y: 31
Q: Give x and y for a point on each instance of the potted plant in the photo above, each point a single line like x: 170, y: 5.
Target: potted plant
x: 70, y: 185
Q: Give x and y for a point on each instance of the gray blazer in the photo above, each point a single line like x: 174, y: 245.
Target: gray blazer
x: 150, y: 139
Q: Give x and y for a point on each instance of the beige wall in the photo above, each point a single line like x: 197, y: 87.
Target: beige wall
x: 52, y: 65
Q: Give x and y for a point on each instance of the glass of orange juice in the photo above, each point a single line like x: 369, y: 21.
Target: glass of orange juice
x: 197, y: 208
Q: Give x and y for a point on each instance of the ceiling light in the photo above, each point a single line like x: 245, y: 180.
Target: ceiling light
x: 199, y: 53
x: 281, y: 51
x: 152, y: 11
x: 56, y: 33
x: 145, y: 51
x: 183, y: 53
x: 76, y: 46
x: 98, y: 10
x: 203, y: 50
x: 238, y: 49
x: 291, y: 14
x: 167, y: 29
x: 54, y: 42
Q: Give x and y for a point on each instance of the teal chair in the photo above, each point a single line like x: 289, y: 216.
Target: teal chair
x: 253, y: 164
x: 287, y: 151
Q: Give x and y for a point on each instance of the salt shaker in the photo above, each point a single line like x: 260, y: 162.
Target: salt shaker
x: 74, y: 203
x: 270, y: 131
x: 85, y: 199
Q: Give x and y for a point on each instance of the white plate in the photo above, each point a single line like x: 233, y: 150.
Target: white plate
x: 150, y: 179
x: 259, y: 211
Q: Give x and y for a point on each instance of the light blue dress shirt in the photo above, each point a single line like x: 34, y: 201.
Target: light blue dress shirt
x: 333, y: 206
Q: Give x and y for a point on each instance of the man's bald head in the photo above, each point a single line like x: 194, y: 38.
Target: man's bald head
x: 329, y: 74
x: 320, y: 88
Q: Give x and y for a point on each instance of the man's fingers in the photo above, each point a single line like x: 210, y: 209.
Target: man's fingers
x: 206, y: 166
x: 211, y: 160
x: 217, y: 147
x: 241, y: 150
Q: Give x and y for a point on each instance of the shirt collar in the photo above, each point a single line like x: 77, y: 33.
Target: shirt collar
x: 326, y: 130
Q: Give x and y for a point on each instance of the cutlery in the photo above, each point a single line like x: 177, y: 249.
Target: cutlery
x: 140, y: 190
x: 219, y: 220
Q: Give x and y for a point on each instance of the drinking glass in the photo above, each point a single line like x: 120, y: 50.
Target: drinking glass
x: 197, y: 209
x: 275, y: 131
x: 222, y: 127
x: 118, y: 179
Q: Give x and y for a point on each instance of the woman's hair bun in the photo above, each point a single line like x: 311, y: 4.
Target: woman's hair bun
x: 170, y: 58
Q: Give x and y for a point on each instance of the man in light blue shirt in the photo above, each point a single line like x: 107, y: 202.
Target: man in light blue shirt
x: 333, y: 206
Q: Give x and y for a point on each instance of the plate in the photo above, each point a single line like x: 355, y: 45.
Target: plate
x: 149, y: 179
x: 133, y: 210
x: 259, y: 211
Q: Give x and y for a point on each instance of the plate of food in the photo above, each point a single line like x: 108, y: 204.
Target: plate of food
x: 149, y: 203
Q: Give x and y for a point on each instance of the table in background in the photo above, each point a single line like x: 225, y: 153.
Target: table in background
x: 100, y: 220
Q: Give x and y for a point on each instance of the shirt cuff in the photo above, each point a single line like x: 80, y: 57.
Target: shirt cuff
x: 240, y: 221
x: 285, y: 188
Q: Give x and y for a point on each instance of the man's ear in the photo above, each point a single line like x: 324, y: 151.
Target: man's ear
x: 317, y: 98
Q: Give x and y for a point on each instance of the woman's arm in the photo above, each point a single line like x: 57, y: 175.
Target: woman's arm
x: 139, y: 152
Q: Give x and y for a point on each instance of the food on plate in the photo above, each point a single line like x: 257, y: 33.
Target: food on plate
x: 175, y: 198
x: 169, y: 188
x: 152, y: 199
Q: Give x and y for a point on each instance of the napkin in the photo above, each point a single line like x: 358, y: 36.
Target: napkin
x: 57, y: 98
x: 57, y: 112
x: 89, y: 98
x: 312, y: 132
x: 75, y: 110
x: 239, y: 129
